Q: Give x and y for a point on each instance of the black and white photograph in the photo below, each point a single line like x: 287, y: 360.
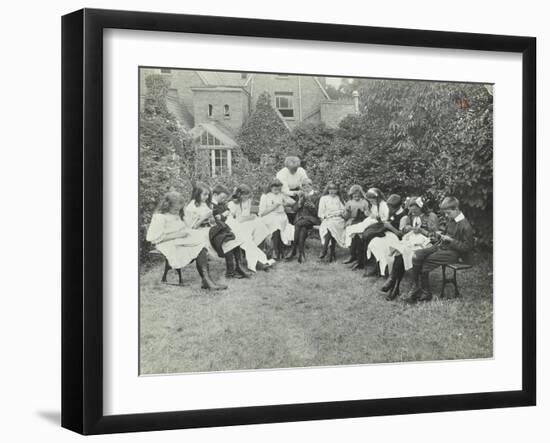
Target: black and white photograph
x: 295, y: 220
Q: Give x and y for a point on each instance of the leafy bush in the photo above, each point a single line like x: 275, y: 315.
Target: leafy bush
x: 264, y: 134
x: 413, y: 138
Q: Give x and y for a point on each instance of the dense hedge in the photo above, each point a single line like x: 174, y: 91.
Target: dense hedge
x: 412, y: 138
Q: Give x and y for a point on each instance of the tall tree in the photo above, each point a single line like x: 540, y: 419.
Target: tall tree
x: 264, y: 136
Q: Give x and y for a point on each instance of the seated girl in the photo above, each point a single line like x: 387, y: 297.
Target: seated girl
x: 272, y: 214
x: 419, y: 219
x: 357, y: 209
x: 240, y: 212
x: 331, y: 213
x: 199, y: 216
x: 417, y: 229
x: 177, y: 242
x: 380, y: 213
x: 370, y: 227
x: 255, y: 257
x: 306, y: 218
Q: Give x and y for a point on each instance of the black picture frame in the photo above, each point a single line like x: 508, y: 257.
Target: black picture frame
x: 82, y: 218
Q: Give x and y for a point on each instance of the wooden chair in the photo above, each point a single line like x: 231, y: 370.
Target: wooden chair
x: 167, y: 267
x: 454, y: 267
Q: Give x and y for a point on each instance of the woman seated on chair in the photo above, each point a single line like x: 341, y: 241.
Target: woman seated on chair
x: 176, y: 241
x: 333, y: 225
x: 198, y: 214
x: 272, y: 214
x: 306, y: 218
x: 292, y: 176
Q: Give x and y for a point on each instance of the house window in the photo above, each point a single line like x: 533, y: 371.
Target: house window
x: 221, y: 162
x: 284, y: 102
x: 210, y: 110
x: 226, y: 113
x: 165, y: 71
x: 220, y: 155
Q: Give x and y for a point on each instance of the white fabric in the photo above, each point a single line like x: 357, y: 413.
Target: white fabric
x: 330, y: 212
x: 385, y: 248
x: 255, y: 227
x: 180, y: 251
x: 277, y: 218
x: 416, y: 222
x: 248, y: 232
x: 193, y: 213
x: 357, y: 228
x: 459, y: 217
x: 291, y: 181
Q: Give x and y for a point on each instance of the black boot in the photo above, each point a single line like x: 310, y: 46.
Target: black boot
x: 229, y: 265
x: 426, y: 294
x: 389, y: 284
x: 332, y: 256
x: 361, y: 255
x: 277, y: 245
x: 302, y: 245
x: 239, y: 271
x: 371, y: 271
x: 324, y: 252
x: 415, y: 291
x: 262, y: 267
x: 397, y: 272
x: 353, y: 251
x: 293, y: 252
x: 204, y: 271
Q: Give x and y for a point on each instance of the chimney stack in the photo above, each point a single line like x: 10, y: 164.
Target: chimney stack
x: 355, y: 96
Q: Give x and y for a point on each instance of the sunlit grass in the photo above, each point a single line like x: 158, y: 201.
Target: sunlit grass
x: 314, y: 314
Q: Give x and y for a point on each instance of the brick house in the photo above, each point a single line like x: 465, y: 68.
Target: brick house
x: 212, y: 106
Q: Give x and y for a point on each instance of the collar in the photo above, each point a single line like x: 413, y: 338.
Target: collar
x: 399, y: 211
x: 459, y: 217
x: 214, y: 201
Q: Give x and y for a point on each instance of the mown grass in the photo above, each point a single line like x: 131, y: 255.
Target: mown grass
x: 314, y: 314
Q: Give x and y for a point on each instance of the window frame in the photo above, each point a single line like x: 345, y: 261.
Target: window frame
x: 289, y: 95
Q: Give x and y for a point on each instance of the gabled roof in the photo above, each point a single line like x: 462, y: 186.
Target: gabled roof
x: 315, y: 79
x: 215, y: 78
x: 218, y: 131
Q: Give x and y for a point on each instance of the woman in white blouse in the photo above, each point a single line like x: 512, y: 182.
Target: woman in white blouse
x: 176, y: 241
x: 240, y: 216
x: 272, y: 214
x: 333, y: 225
x: 292, y: 176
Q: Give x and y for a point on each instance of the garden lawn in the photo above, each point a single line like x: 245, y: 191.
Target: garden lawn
x: 314, y: 314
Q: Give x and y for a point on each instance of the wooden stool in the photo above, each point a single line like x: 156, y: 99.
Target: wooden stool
x: 167, y: 267
x: 455, y: 267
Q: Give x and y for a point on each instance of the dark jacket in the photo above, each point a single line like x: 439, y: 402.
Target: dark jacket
x: 220, y: 233
x: 218, y: 209
x: 306, y: 208
x: 462, y: 238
